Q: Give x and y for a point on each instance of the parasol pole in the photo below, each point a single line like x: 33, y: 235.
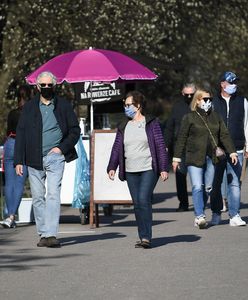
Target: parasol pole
x: 91, y: 106
x: 91, y: 110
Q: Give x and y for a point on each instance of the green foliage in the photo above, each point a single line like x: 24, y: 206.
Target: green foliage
x: 180, y: 40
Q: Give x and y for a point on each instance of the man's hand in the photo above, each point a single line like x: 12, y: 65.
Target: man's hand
x: 19, y: 170
x: 55, y: 150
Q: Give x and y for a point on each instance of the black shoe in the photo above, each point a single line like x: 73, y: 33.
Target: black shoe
x: 108, y: 210
x: 52, y: 242
x: 85, y: 216
x: 180, y: 209
x: 42, y: 242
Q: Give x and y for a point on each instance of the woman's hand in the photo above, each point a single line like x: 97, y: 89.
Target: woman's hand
x: 164, y: 175
x: 175, y: 166
x: 19, y: 170
x: 111, y: 174
x: 234, y: 158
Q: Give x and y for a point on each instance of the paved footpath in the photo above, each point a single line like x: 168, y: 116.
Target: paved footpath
x: 185, y: 262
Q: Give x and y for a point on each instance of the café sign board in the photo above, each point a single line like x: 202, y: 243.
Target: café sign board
x: 98, y: 92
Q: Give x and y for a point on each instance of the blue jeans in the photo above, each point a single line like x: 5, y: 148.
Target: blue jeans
x: 224, y: 186
x: 234, y: 185
x: 233, y: 173
x: 201, y: 181
x: 46, y: 203
x: 14, y: 184
x: 141, y: 186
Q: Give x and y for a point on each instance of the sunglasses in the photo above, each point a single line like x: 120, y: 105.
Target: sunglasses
x: 42, y: 85
x: 189, y: 95
x: 207, y: 98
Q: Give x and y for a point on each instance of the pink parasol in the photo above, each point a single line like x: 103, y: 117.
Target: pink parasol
x: 93, y: 65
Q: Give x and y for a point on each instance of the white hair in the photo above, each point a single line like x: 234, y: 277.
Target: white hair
x: 189, y: 85
x: 45, y: 74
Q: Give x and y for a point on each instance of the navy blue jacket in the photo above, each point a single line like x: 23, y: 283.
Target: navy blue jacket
x: 28, y: 145
x: 234, y: 120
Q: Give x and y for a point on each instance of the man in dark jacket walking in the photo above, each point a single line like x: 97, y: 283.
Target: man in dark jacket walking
x: 180, y: 108
x: 234, y: 111
x: 46, y: 135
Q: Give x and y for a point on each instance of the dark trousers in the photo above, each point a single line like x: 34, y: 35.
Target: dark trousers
x: 181, y: 185
x: 216, y: 202
x: 141, y: 186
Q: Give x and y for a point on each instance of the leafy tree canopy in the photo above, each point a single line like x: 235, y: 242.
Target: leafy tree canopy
x: 180, y: 40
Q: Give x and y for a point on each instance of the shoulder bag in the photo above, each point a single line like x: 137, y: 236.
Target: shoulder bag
x: 219, y: 152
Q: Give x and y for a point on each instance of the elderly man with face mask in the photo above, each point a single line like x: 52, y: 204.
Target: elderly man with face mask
x: 46, y: 135
x: 233, y: 109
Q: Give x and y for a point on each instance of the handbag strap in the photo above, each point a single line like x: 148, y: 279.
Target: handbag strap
x: 208, y: 129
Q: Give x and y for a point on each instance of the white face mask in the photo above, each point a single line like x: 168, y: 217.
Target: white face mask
x: 206, y: 106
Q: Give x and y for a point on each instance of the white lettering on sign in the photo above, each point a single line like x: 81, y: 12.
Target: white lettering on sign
x: 100, y: 92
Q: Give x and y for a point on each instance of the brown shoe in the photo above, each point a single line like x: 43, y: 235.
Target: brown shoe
x: 146, y: 244
x: 42, y: 242
x: 52, y: 242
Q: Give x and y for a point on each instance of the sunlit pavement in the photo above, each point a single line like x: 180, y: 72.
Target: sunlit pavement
x: 102, y: 263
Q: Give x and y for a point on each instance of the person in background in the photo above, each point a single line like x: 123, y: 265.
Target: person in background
x: 201, y: 130
x: 233, y: 109
x: 14, y: 184
x: 179, y: 109
x: 46, y: 135
x: 139, y: 151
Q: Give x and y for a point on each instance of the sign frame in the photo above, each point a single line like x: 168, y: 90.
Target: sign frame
x: 96, y: 136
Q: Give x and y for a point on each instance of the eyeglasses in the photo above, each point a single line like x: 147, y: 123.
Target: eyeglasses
x: 207, y: 98
x: 128, y: 105
x: 50, y: 85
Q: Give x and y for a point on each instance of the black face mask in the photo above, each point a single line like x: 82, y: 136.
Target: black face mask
x: 47, y: 93
x: 188, y: 98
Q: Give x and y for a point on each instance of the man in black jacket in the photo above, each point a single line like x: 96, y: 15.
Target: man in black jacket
x: 180, y: 108
x: 46, y: 135
x: 233, y: 109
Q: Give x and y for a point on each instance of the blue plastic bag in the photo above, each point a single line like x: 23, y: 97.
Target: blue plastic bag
x: 81, y: 194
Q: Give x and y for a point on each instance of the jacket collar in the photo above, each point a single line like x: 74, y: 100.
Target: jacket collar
x: 37, y: 99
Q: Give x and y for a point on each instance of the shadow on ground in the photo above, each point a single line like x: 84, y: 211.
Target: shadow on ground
x: 90, y: 238
x: 162, y: 241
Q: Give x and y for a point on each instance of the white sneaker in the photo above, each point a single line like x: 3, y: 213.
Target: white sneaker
x: 8, y: 223
x: 216, y: 219
x: 237, y: 221
x: 200, y: 222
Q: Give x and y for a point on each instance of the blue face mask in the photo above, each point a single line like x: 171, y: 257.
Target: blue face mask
x: 130, y: 111
x: 231, y: 89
